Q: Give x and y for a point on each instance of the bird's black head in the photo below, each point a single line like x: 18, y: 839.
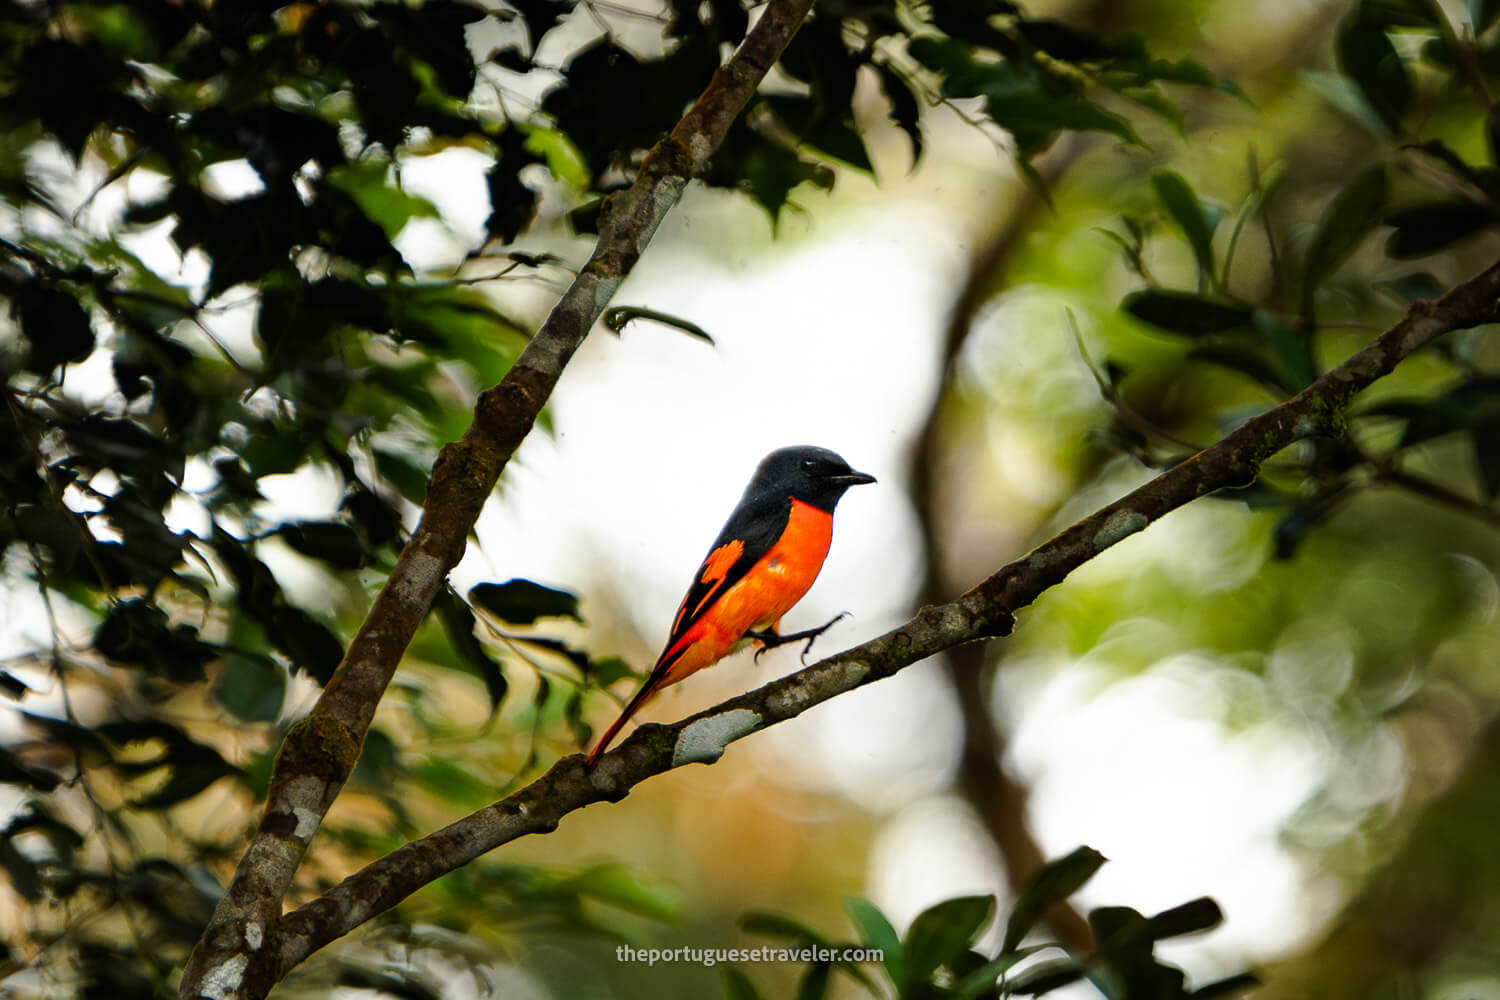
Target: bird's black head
x: 815, y: 476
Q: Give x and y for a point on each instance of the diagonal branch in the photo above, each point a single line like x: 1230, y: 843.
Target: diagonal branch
x: 236, y: 957
x: 983, y: 612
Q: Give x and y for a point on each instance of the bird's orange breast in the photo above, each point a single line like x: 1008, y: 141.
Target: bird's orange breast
x: 760, y: 597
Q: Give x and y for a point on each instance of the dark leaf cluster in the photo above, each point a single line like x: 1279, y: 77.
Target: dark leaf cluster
x: 939, y: 957
x: 1408, y: 79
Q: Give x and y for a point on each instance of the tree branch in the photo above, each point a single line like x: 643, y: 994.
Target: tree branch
x: 983, y: 612
x: 238, y: 953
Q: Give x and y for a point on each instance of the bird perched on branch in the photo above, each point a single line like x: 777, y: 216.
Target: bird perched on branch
x: 764, y: 560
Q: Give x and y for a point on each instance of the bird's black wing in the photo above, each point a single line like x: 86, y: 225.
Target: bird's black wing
x: 756, y: 525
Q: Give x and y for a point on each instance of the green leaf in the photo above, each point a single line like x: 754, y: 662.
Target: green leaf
x: 616, y: 318
x: 779, y: 925
x: 1017, y: 102
x: 827, y: 133
x: 269, y: 454
x: 1192, y: 917
x: 1118, y: 929
x: 1034, y: 118
x: 1367, y: 57
x: 583, y: 733
x: 1044, y: 977
x: 942, y: 55
x: 25, y: 877
x: 252, y: 687
x: 1413, y: 287
x: 522, y: 602
x: 458, y: 625
x: 905, y: 111
x: 1244, y: 360
x: 1344, y: 96
x: 307, y: 642
x: 1127, y: 966
x: 379, y: 764
x: 1430, y: 227
x: 1479, y: 177
x: 616, y: 102
x: 1054, y: 882
x: 1180, y: 201
x: 332, y: 542
x: 409, y: 478
x: 56, y: 328
x: 737, y: 985
x: 14, y: 771
x: 983, y: 979
x: 1153, y: 99
x: 619, y: 886
x: 1184, y: 312
x: 563, y: 158
x: 461, y: 319
x: 1349, y: 218
x: 814, y: 985
x: 452, y: 782
x: 1133, y: 59
x: 1292, y: 346
x: 187, y: 780
x: 577, y: 657
x: 138, y: 632
x: 772, y: 173
x: 375, y: 518
x: 611, y: 669
x: 941, y: 933
x: 512, y: 203
x: 383, y: 203
x: 875, y: 931
x: 1425, y: 418
x: 1482, y: 14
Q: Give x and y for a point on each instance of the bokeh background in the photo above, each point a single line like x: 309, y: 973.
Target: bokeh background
x: 1281, y: 699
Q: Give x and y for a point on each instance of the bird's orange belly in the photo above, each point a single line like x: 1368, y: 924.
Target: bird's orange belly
x: 764, y: 594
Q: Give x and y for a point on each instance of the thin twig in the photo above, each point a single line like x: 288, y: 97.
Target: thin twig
x: 1439, y: 493
x: 1463, y: 52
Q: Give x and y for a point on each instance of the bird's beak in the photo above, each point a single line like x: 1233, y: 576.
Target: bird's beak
x: 853, y: 478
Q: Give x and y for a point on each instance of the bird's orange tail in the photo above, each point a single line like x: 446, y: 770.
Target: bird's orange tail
x: 646, y: 691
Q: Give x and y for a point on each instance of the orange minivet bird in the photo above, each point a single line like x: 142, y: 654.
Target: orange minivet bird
x: 764, y: 560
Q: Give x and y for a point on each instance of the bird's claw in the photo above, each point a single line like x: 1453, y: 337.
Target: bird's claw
x: 770, y: 640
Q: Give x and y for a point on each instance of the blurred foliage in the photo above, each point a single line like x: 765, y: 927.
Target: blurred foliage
x: 939, y: 956
x: 176, y: 348
x: 201, y: 213
x: 1343, y: 605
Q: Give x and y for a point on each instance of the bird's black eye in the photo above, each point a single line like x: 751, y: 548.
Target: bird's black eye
x: 808, y: 465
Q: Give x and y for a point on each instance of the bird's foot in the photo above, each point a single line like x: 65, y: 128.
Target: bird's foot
x: 770, y: 639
